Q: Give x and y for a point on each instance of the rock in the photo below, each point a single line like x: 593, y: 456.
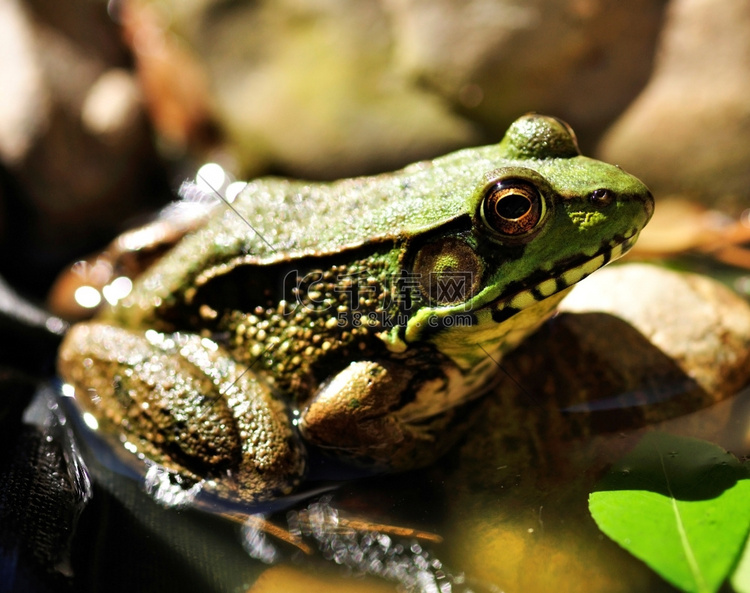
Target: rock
x: 695, y: 321
x: 680, y: 225
x: 112, y: 107
x: 687, y: 131
x: 310, y: 91
x: 77, y: 146
x: 338, y: 88
x: 288, y: 578
x: 23, y: 111
x: 493, y: 60
x: 634, y: 346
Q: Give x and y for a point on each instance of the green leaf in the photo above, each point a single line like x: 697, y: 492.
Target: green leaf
x: 741, y: 576
x: 681, y: 505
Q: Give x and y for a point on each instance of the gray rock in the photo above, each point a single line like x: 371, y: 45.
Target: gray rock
x: 22, y: 112
x: 693, y: 320
x: 312, y: 90
x: 687, y: 133
x: 336, y: 88
x: 633, y: 346
x: 73, y: 133
x: 493, y: 60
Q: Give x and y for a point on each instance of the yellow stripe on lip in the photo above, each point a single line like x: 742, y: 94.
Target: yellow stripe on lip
x: 547, y: 288
x: 579, y: 272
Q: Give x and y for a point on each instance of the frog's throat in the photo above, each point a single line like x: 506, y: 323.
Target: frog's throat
x: 501, y: 309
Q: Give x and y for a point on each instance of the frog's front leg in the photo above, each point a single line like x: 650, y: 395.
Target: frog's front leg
x: 356, y: 416
x: 183, y: 402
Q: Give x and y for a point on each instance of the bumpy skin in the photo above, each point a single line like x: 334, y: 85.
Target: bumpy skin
x: 372, y: 309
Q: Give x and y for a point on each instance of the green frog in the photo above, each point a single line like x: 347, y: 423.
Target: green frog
x: 361, y: 318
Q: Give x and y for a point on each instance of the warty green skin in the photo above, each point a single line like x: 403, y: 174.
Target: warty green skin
x: 320, y: 289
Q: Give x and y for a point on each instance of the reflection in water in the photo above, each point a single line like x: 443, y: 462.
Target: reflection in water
x: 363, y: 549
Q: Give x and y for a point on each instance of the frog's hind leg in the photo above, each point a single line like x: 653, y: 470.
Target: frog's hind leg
x: 184, y: 403
x: 355, y: 416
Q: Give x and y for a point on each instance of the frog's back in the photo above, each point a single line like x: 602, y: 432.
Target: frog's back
x: 281, y: 219
x: 275, y: 220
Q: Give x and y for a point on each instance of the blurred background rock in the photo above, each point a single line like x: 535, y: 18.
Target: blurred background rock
x: 108, y: 106
x: 688, y: 131
x: 335, y: 88
x: 76, y: 147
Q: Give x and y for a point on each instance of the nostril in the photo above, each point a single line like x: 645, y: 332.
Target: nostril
x: 650, y: 203
x: 601, y: 197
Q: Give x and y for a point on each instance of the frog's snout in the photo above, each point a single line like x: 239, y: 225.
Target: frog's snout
x: 644, y: 200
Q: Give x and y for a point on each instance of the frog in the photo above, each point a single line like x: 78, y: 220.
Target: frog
x: 360, y: 319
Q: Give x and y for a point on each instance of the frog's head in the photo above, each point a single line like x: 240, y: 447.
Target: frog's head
x: 542, y: 220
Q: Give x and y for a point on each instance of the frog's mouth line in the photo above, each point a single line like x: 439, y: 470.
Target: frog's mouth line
x: 505, y: 308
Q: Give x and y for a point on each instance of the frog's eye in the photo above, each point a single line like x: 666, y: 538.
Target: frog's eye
x: 512, y: 207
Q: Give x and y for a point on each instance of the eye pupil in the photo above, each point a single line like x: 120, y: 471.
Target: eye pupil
x: 512, y: 206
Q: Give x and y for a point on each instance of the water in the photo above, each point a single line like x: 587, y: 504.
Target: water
x: 509, y: 503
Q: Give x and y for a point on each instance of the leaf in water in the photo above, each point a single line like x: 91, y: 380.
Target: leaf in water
x: 741, y: 576
x: 680, y: 505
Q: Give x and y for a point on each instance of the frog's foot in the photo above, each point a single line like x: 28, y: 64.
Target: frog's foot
x: 355, y: 416
x: 182, y: 402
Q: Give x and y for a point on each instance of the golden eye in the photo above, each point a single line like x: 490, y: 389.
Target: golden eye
x: 512, y: 207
